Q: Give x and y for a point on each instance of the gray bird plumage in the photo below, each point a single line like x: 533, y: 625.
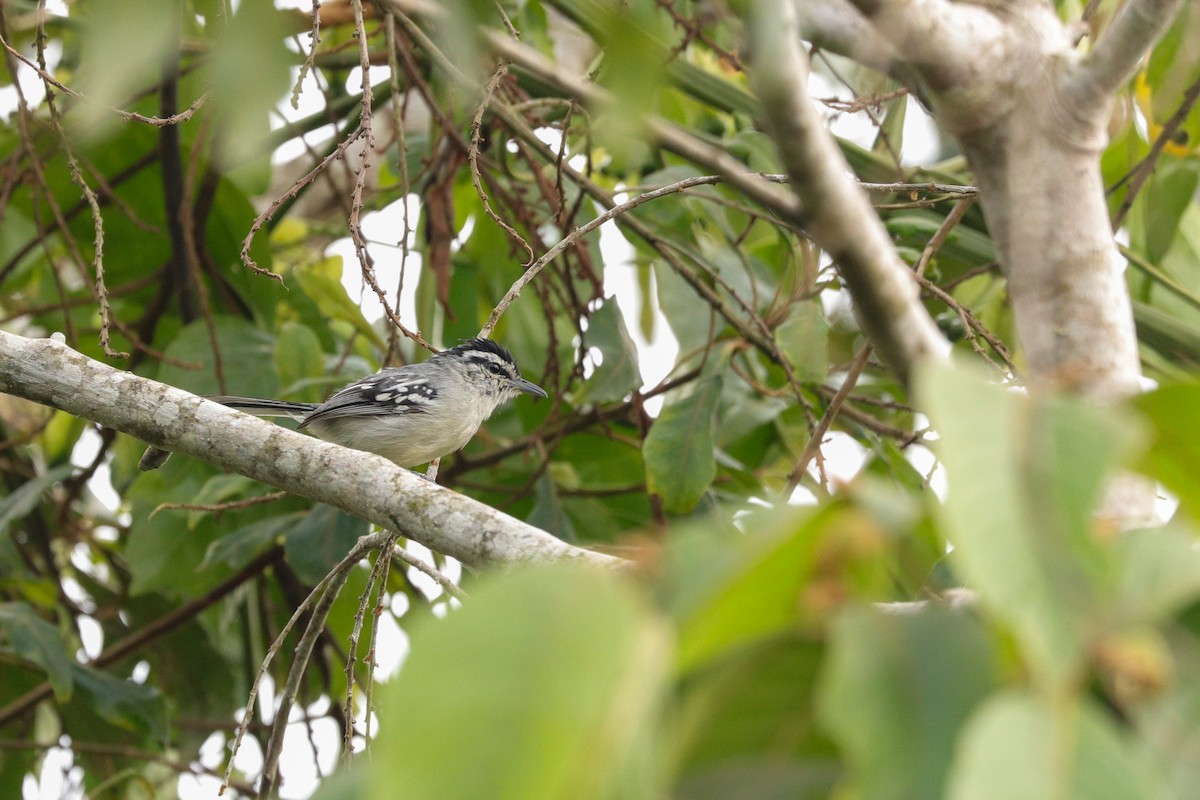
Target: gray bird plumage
x: 411, y: 414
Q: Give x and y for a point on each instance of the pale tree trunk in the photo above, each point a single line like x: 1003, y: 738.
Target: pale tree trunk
x: 1030, y: 113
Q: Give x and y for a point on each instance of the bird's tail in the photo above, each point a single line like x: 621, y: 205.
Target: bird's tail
x: 265, y: 408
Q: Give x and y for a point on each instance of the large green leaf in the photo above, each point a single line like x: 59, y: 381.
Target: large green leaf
x: 124, y: 704
x: 1174, y: 415
x: 248, y: 69
x: 244, y: 350
x: 35, y: 640
x: 1022, y: 746
x: 678, y: 450
x: 617, y: 374
x: 26, y: 497
x: 320, y: 541
x: 556, y: 670
x: 1024, y: 476
x: 804, y: 339
x: 896, y: 690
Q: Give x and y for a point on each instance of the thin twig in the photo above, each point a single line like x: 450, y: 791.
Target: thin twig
x: 314, y: 36
x: 364, y: 600
x: 473, y: 159
x: 338, y: 573
x: 299, y: 666
x: 1140, y: 173
x: 939, y: 237
x: 537, y: 266
x: 232, y: 505
x: 129, y: 116
x: 835, y: 405
x: 366, y: 263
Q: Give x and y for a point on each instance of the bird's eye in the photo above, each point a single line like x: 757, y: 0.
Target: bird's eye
x: 494, y: 368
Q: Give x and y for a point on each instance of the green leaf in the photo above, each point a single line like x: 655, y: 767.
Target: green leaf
x: 1024, y: 475
x: 1019, y: 746
x: 1168, y: 194
x: 27, y: 496
x: 244, y: 349
x: 804, y: 339
x: 1174, y: 416
x: 248, y: 69
x: 895, y: 691
x: 320, y: 541
x: 110, y: 71
x: 37, y: 641
x: 330, y: 295
x: 732, y: 590
x: 563, y: 666
x: 298, y: 358
x: 678, y: 450
x: 548, y: 513
x: 239, y: 547
x: 121, y: 703
x: 750, y: 730
x: 216, y: 490
x: 617, y: 374
x: 1158, y: 572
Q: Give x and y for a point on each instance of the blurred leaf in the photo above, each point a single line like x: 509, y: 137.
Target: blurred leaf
x: 1018, y: 746
x: 239, y: 547
x: 748, y: 728
x: 330, y: 296
x: 320, y: 541
x: 37, y: 641
x: 248, y: 70
x: 110, y: 71
x: 1158, y: 572
x: 679, y: 449
x: 804, y: 340
x: 896, y: 689
x: 634, y: 37
x: 244, y: 349
x: 575, y: 664
x: 29, y: 494
x: 298, y: 358
x: 617, y: 373
x: 1024, y: 476
x: 123, y: 704
x: 1174, y: 415
x: 1167, y: 195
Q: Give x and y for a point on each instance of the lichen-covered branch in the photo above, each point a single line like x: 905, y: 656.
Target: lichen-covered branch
x: 836, y: 211
x: 366, y: 485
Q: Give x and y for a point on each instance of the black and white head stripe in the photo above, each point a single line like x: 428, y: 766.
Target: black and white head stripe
x: 485, y: 353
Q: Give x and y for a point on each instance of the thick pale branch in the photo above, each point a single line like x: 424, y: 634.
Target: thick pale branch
x: 949, y: 44
x: 837, y: 26
x: 837, y: 213
x: 1121, y: 47
x: 366, y: 485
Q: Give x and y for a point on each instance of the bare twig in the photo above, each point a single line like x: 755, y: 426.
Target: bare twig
x: 1137, y: 177
x: 813, y: 448
x: 233, y: 505
x: 473, y: 159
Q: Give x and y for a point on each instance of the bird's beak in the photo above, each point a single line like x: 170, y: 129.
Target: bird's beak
x: 528, y: 387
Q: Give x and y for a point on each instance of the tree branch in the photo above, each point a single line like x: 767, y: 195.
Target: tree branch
x: 366, y: 485
x: 838, y: 214
x: 1122, y: 46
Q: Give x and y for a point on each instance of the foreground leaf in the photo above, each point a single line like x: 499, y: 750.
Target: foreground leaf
x: 544, y: 686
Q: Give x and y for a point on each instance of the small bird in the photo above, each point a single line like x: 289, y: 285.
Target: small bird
x: 411, y: 414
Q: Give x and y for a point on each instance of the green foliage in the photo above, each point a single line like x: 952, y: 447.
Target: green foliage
x: 755, y: 649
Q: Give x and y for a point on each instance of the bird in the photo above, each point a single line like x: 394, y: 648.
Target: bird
x: 411, y: 414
